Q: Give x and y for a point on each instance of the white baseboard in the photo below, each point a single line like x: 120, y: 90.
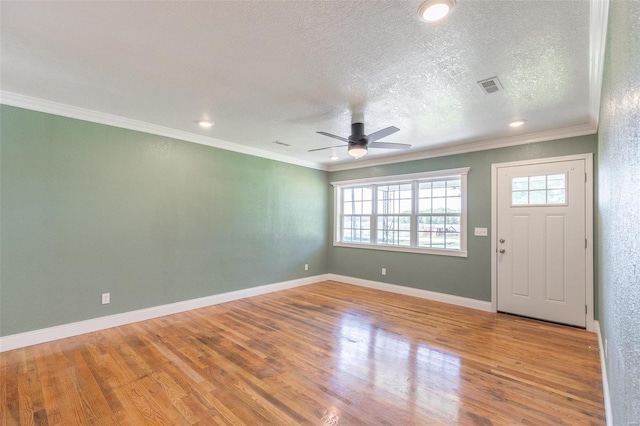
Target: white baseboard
x: 605, y: 379
x: 49, y: 334
x: 21, y: 340
x: 416, y: 292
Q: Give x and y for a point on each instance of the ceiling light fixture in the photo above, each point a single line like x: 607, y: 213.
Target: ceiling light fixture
x: 435, y: 10
x: 357, y: 150
x: 517, y: 123
x: 204, y: 123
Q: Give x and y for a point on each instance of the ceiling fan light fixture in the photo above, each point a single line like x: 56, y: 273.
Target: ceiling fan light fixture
x: 435, y: 10
x: 359, y: 143
x: 357, y: 150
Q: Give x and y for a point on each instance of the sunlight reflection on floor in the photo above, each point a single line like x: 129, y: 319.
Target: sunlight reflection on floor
x: 413, y: 371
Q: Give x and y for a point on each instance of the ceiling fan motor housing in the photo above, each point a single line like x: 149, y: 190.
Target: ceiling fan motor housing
x: 359, y: 142
x: 357, y: 134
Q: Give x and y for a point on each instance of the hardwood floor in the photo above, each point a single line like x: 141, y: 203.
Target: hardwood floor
x: 327, y: 353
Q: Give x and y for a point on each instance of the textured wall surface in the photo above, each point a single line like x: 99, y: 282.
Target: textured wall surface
x: 467, y: 277
x: 619, y: 209
x: 88, y: 208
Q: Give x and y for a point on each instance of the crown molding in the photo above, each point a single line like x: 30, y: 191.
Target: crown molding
x: 483, y: 145
x: 599, y: 14
x: 49, y: 107
x: 599, y: 11
x: 41, y: 105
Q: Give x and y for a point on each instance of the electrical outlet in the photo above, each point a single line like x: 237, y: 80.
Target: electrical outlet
x: 306, y: 266
x: 106, y: 298
x: 384, y: 271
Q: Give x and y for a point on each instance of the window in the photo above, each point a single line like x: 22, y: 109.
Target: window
x: 538, y: 190
x: 394, y: 214
x: 357, y: 214
x: 439, y: 212
x: 422, y: 212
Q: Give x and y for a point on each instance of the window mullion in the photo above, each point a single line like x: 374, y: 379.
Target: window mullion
x: 463, y: 212
x: 374, y: 214
x: 413, y: 240
x: 340, y: 209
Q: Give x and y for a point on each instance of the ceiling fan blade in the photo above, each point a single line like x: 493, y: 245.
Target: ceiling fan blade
x: 382, y: 133
x: 327, y: 147
x: 389, y: 145
x: 333, y: 136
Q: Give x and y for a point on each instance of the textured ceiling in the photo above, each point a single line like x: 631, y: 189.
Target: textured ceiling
x: 282, y: 70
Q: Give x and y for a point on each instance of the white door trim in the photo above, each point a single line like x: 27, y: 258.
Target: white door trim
x: 589, y: 291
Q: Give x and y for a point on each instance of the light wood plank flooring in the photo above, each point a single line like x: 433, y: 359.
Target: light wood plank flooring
x: 323, y: 354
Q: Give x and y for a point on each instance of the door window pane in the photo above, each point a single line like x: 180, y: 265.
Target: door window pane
x: 538, y: 190
x: 555, y: 196
x: 537, y: 182
x: 520, y: 184
x: 538, y: 197
x: 520, y: 197
x: 556, y: 181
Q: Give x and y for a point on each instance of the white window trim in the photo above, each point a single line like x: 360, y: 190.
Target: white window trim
x: 394, y: 179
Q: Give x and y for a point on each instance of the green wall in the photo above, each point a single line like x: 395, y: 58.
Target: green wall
x: 88, y: 208
x: 619, y: 211
x: 467, y: 277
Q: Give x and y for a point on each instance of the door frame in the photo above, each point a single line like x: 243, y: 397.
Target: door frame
x: 589, y: 290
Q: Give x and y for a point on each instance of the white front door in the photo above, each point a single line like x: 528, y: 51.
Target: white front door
x: 541, y: 241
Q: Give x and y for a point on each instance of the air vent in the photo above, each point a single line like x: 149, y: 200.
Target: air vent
x: 490, y: 85
x: 281, y: 143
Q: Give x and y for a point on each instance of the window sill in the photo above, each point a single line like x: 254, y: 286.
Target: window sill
x: 438, y: 252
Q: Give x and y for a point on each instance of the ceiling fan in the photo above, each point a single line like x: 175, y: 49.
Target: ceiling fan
x: 359, y: 143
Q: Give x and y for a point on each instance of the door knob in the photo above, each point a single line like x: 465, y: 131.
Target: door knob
x: 502, y: 250
x: 502, y: 240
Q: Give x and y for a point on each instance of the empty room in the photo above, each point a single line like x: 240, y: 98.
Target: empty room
x: 320, y: 212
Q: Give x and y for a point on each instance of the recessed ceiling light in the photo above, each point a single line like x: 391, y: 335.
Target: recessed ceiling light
x: 435, y: 10
x: 517, y: 123
x: 204, y: 123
